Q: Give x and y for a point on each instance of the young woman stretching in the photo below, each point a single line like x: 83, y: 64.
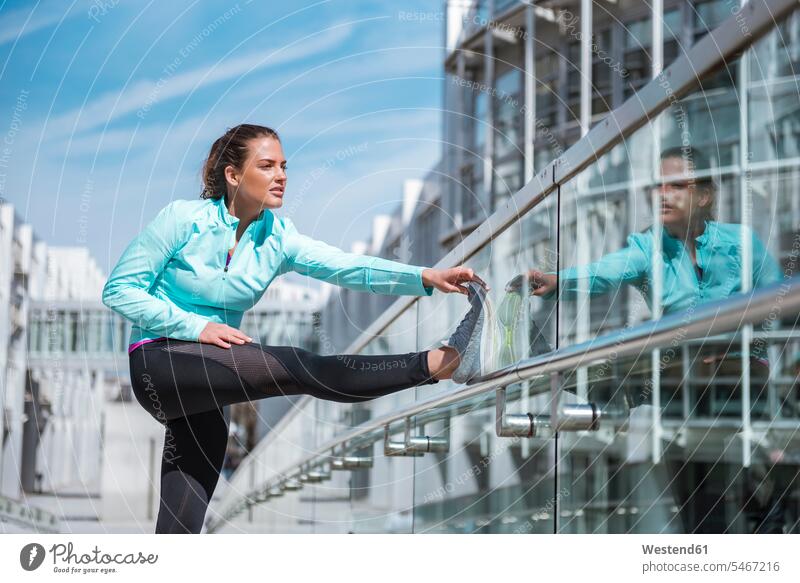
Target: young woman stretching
x: 185, y: 282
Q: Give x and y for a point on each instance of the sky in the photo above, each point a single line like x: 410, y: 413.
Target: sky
x: 109, y: 107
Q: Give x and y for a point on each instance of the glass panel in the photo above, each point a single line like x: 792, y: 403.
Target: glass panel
x: 774, y: 114
x: 380, y: 497
x: 486, y: 484
x: 377, y: 499
x: 293, y: 512
x: 526, y: 323
x: 771, y: 489
x: 606, y: 477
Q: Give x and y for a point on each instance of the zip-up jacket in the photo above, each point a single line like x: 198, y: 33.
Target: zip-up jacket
x: 174, y: 277
x: 719, y: 261
x: 718, y: 274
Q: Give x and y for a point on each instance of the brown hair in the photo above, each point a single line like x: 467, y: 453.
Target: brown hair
x: 230, y: 149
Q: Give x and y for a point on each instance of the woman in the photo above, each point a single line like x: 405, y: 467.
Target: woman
x: 185, y: 283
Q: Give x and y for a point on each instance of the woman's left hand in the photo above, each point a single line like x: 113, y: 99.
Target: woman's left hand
x: 449, y: 280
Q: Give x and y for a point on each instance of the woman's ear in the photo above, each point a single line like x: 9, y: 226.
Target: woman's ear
x: 231, y: 175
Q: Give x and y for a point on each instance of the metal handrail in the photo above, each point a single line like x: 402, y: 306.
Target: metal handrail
x: 29, y: 517
x: 712, y: 318
x: 708, y: 319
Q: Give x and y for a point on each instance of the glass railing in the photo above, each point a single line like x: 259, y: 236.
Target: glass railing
x: 673, y: 389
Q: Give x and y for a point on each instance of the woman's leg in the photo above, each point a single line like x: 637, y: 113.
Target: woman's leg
x: 194, y: 449
x: 186, y: 386
x: 176, y: 378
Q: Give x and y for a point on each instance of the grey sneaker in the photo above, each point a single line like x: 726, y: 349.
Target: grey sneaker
x: 473, y: 338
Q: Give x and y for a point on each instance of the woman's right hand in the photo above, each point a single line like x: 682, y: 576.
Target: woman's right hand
x: 222, y: 335
x: 542, y: 283
x: 539, y: 283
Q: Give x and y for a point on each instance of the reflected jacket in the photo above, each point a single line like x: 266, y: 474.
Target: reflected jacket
x: 719, y: 256
x: 718, y: 251
x: 172, y: 279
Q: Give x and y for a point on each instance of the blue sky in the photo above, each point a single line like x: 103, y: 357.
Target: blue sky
x: 108, y: 108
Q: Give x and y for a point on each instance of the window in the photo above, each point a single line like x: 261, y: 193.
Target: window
x: 507, y: 179
x: 546, y: 89
x: 602, y: 68
x: 472, y: 191
x: 573, y: 81
x: 478, y: 119
x: 507, y: 115
x: 672, y: 26
x: 637, y: 59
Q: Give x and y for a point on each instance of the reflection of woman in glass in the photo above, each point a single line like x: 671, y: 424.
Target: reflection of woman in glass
x: 702, y: 258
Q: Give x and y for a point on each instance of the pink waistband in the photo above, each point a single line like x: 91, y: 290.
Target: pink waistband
x: 136, y: 345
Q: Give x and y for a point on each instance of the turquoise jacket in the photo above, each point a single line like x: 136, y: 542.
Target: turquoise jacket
x: 172, y: 280
x: 719, y: 256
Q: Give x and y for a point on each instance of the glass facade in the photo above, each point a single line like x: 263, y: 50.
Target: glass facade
x: 701, y: 204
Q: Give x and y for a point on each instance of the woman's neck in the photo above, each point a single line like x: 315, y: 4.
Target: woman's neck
x: 246, y: 214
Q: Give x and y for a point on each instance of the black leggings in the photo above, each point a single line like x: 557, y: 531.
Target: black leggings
x: 187, y: 386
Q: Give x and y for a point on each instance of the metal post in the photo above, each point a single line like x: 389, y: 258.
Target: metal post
x: 656, y: 258
x: 746, y: 202
x: 488, y: 146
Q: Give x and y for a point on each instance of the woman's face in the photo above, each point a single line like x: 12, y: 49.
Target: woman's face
x: 262, y: 180
x: 681, y: 199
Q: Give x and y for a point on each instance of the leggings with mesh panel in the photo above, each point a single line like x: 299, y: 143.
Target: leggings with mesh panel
x: 187, y: 387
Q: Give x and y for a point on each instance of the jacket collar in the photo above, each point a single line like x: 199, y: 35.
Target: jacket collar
x: 710, y: 231
x: 228, y: 218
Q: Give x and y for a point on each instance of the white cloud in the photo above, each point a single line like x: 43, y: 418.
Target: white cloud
x: 142, y: 94
x: 15, y: 24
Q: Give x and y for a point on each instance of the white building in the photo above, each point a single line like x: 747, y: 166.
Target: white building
x: 76, y: 449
